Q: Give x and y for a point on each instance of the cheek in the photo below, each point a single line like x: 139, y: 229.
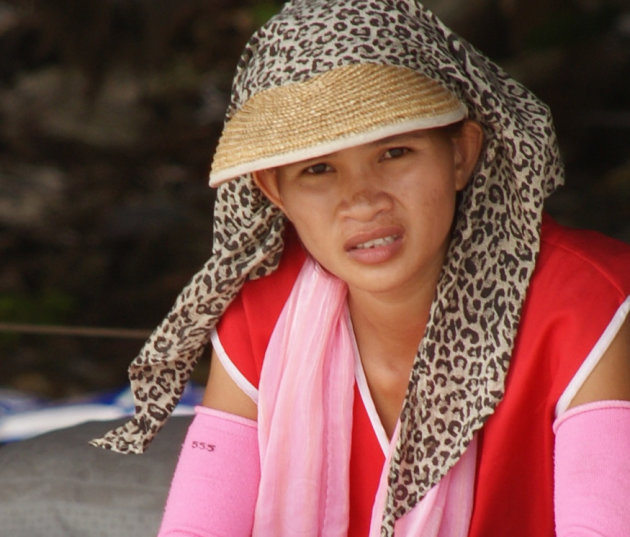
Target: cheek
x: 309, y: 219
x: 429, y: 188
x: 291, y: 203
x: 312, y: 232
x: 297, y: 211
x: 313, y: 220
x: 316, y: 241
x: 306, y: 207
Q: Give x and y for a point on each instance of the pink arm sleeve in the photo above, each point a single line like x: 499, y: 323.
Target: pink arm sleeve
x: 214, y: 488
x: 592, y: 470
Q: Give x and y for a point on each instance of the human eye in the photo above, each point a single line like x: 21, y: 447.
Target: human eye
x: 395, y: 152
x: 317, y: 169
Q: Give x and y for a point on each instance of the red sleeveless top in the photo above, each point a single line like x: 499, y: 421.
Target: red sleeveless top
x: 581, y: 280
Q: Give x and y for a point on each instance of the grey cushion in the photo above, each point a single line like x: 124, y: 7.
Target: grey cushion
x: 56, y: 485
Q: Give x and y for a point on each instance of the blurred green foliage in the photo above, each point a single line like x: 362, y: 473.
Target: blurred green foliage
x: 50, y: 306
x: 263, y: 11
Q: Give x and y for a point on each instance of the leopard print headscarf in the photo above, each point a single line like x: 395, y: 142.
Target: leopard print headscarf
x: 459, y: 372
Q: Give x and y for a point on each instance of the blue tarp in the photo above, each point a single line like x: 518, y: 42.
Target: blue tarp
x: 24, y: 416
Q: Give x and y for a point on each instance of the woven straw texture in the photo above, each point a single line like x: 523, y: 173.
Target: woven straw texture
x: 329, y: 112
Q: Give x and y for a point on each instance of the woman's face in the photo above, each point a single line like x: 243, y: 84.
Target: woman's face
x: 379, y: 215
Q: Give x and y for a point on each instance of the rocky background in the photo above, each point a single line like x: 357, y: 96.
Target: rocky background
x: 109, y: 112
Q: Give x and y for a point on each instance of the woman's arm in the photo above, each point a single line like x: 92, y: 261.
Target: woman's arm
x: 610, y: 379
x: 592, y: 466
x: 214, y: 489
x: 222, y: 393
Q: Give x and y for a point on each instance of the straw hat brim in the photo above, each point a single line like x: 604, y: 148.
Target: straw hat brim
x: 342, y: 108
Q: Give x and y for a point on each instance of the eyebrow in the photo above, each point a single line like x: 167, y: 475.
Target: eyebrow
x: 396, y: 137
x: 381, y: 141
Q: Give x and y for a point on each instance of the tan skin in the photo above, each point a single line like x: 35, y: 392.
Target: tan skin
x: 389, y: 322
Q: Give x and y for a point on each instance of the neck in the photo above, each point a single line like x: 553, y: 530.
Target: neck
x: 390, y: 327
x: 388, y: 334
x: 393, y: 328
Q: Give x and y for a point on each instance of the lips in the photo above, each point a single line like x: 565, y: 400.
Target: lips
x: 373, y: 238
x: 374, y: 243
x: 375, y: 246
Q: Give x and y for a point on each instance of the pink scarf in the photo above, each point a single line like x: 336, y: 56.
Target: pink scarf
x: 444, y: 511
x: 305, y: 427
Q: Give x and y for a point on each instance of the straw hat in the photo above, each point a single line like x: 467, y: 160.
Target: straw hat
x: 344, y: 107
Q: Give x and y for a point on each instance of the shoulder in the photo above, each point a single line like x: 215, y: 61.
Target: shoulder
x: 579, y: 293
x: 571, y: 258
x: 578, y: 271
x: 260, y: 301
x: 276, y: 287
x: 246, y: 326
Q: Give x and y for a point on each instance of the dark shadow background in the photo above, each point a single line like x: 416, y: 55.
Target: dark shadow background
x: 109, y: 113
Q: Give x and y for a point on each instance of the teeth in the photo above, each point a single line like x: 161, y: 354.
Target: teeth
x: 376, y: 242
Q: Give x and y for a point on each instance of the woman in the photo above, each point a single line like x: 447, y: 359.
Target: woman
x: 406, y: 343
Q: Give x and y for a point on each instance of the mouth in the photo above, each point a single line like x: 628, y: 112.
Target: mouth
x: 376, y: 246
x: 372, y: 245
x: 375, y: 243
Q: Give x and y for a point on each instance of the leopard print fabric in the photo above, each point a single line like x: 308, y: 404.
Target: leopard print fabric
x: 459, y: 372
x: 247, y: 243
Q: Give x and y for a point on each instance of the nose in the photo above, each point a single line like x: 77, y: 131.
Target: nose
x: 362, y: 195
